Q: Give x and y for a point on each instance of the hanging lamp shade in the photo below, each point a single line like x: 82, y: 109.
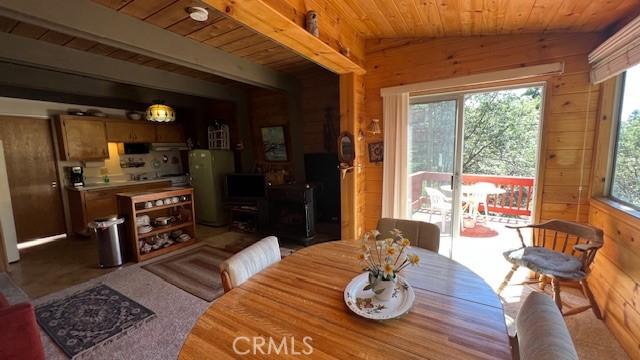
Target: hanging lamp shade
x: 160, y: 113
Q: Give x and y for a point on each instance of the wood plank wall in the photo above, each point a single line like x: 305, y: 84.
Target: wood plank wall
x: 270, y: 108
x: 320, y: 111
x: 570, y: 107
x: 615, y: 278
x: 352, y: 199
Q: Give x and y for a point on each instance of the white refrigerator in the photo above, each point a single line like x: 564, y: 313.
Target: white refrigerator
x: 208, y: 169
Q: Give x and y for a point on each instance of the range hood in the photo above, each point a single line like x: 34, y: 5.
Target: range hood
x: 169, y: 146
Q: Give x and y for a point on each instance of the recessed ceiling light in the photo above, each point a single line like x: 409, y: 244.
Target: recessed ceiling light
x: 198, y: 13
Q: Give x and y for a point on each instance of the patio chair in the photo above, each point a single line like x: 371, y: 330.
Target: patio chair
x: 564, y: 252
x: 481, y: 191
x: 440, y: 203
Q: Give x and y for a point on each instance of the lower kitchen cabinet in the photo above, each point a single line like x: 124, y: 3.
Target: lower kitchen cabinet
x: 86, y: 204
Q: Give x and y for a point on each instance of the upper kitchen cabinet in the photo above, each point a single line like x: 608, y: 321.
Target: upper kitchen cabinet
x: 130, y: 132
x: 169, y: 134
x: 82, y: 138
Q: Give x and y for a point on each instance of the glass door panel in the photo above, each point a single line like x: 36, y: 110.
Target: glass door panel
x: 432, y: 159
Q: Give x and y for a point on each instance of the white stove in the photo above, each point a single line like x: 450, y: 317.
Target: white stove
x: 176, y: 179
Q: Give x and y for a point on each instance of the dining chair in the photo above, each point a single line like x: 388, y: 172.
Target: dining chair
x: 440, y: 203
x: 422, y: 234
x: 243, y: 265
x: 562, y: 251
x: 541, y: 333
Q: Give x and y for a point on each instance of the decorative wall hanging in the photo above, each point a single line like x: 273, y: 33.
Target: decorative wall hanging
x: 274, y: 143
x: 376, y: 152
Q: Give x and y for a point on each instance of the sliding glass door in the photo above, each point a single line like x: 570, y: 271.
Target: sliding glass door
x: 432, y: 163
x: 472, y: 160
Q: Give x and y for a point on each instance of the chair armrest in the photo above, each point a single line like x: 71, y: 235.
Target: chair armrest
x: 20, y: 335
x: 586, y: 247
x: 517, y: 227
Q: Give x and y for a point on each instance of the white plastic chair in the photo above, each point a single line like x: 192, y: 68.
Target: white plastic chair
x: 439, y: 202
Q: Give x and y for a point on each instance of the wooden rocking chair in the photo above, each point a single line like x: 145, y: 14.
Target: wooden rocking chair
x: 563, y: 251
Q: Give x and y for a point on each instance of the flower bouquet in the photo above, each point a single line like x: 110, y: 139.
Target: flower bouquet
x: 384, y: 259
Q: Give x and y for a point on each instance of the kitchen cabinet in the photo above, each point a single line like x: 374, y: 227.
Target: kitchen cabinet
x: 82, y: 138
x: 169, y: 134
x: 87, y: 204
x: 130, y: 132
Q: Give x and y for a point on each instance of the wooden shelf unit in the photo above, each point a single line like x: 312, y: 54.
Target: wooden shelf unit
x: 131, y: 205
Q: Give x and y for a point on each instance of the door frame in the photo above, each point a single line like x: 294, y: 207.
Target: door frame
x: 458, y: 96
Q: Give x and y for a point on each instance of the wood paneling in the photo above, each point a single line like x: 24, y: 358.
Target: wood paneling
x: 270, y: 108
x: 320, y: 111
x: 352, y: 183
x: 615, y: 278
x: 570, y: 107
x: 429, y: 18
x: 339, y: 49
x: 219, y: 31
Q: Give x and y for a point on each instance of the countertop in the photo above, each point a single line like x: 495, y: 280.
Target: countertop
x: 115, y: 184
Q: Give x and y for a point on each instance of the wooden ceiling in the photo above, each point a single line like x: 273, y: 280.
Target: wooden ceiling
x: 218, y: 31
x: 36, y: 32
x: 437, y: 18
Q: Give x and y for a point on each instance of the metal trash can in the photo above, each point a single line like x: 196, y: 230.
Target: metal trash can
x: 107, y: 233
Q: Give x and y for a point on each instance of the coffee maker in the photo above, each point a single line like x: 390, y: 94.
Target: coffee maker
x: 75, y: 176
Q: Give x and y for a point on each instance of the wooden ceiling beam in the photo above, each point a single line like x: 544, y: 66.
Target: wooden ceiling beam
x: 37, y: 54
x: 107, y: 27
x: 339, y: 48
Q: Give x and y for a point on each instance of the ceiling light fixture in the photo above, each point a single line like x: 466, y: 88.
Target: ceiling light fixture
x: 198, y: 13
x: 160, y: 112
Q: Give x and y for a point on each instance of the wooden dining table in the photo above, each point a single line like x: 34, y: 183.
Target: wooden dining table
x: 456, y: 315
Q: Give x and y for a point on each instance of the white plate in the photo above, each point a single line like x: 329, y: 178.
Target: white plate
x: 364, y: 303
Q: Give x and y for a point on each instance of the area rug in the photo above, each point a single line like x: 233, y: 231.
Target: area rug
x: 93, y: 317
x: 479, y: 231
x: 194, y: 271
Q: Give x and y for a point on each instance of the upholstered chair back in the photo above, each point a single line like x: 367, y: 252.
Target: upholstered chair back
x: 422, y: 234
x: 240, y: 267
x: 541, y: 331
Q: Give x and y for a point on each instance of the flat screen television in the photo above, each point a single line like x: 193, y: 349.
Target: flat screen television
x: 245, y: 187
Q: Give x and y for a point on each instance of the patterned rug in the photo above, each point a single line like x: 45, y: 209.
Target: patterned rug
x: 195, y: 271
x: 92, y: 317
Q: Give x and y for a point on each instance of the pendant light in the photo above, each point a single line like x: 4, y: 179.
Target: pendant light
x: 159, y: 112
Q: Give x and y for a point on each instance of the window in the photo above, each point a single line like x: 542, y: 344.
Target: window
x: 625, y: 184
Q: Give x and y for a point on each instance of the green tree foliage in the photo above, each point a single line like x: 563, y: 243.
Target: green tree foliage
x: 501, y: 131
x: 627, y: 163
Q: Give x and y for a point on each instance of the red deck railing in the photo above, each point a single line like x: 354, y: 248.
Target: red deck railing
x: 515, y: 201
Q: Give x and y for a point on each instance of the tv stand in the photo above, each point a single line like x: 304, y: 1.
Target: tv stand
x: 247, y: 216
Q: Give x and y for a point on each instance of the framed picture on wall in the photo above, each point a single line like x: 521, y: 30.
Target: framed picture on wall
x: 274, y: 143
x: 376, y: 152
